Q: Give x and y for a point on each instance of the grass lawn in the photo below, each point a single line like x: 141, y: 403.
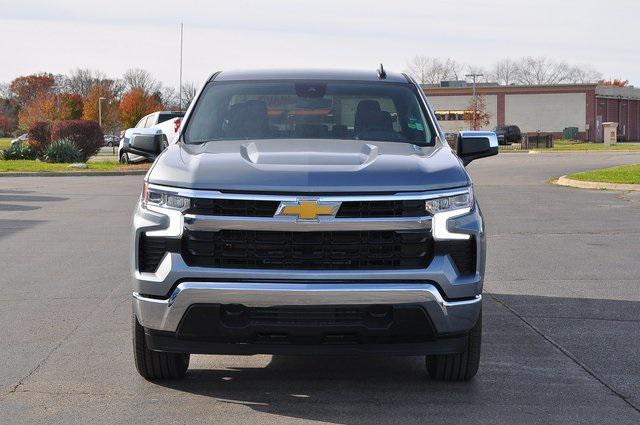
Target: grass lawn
x: 39, y: 166
x: 570, y: 145
x: 5, y: 142
x: 625, y: 174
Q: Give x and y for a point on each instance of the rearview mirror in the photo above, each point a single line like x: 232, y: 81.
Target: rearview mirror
x: 476, y: 144
x: 148, y: 143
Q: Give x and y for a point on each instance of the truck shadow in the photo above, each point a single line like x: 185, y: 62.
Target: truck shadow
x: 328, y: 388
x: 519, y: 368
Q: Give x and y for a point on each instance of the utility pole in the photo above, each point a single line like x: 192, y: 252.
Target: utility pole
x: 180, y: 82
x: 474, y: 76
x: 100, y: 99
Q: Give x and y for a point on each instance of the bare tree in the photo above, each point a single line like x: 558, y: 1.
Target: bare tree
x: 169, y: 99
x: 80, y: 81
x: 483, y: 75
x: 5, y: 91
x: 542, y: 71
x: 137, y: 78
x: 189, y: 91
x: 583, y: 75
x: 429, y: 70
x: 505, y: 72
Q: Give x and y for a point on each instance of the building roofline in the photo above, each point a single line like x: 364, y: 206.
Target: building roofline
x: 550, y: 88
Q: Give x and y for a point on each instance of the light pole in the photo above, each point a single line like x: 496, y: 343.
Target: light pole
x: 100, y: 99
x: 474, y: 76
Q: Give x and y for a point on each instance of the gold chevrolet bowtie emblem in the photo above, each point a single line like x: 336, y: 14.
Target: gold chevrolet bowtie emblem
x: 307, y: 210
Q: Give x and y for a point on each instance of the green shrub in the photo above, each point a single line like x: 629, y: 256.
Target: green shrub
x: 87, y: 135
x: 62, y: 150
x: 19, y: 151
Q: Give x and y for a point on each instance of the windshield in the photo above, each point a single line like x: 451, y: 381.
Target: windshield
x: 309, y: 110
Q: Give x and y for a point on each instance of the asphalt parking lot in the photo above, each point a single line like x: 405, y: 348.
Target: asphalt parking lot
x: 561, y: 340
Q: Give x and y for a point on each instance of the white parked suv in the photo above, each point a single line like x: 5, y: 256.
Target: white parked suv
x: 167, y: 122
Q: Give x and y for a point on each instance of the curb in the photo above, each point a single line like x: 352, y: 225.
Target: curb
x: 564, y: 181
x: 74, y: 173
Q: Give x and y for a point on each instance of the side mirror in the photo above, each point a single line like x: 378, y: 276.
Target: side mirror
x: 148, y: 143
x: 476, y: 144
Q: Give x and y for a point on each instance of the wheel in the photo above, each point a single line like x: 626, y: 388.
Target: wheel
x: 124, y: 158
x: 152, y: 365
x: 110, y: 144
x: 459, y: 366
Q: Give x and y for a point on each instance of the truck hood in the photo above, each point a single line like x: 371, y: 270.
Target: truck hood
x: 308, y: 165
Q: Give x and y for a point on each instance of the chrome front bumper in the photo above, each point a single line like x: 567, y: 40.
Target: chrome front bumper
x: 447, y: 316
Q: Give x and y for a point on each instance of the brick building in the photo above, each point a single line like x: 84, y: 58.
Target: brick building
x: 548, y: 109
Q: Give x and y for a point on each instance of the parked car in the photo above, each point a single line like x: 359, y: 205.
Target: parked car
x: 111, y: 140
x: 334, y: 229
x: 17, y: 141
x: 508, y: 134
x: 155, y: 120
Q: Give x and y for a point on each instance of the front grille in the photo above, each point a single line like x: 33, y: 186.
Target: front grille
x: 348, y: 209
x: 373, y: 316
x: 463, y: 254
x: 353, y: 250
x: 233, y: 207
x: 371, y: 209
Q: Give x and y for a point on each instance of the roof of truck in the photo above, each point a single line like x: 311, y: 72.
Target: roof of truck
x: 309, y: 74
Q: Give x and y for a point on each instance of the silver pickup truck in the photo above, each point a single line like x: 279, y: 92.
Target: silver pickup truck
x: 309, y: 212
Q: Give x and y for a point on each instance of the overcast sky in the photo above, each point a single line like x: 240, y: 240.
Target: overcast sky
x: 112, y: 36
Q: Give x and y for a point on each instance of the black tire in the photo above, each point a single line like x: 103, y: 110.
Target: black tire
x: 152, y: 365
x: 460, y: 366
x: 124, y: 158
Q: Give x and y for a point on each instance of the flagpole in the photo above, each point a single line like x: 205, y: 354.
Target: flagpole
x: 180, y: 83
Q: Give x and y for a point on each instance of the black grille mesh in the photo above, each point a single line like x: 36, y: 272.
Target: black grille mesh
x: 233, y: 207
x: 366, y: 209
x: 350, y: 209
x: 308, y: 250
x: 463, y: 254
x: 151, y: 251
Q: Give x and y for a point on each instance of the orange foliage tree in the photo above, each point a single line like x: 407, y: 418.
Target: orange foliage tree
x: 41, y: 108
x: 26, y: 89
x: 50, y: 107
x: 135, y: 105
x: 110, y: 113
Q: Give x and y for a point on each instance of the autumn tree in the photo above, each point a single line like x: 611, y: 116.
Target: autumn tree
x: 135, y: 105
x: 476, y: 114
x: 7, y: 124
x: 50, y: 107
x: 25, y: 89
x: 44, y: 107
x: 110, y: 113
x: 71, y: 106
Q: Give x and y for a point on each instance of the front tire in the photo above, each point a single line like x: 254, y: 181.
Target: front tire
x: 124, y: 158
x: 459, y: 366
x: 153, y: 365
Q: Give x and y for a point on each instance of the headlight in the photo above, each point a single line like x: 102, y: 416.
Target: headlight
x: 450, y: 203
x: 163, y: 199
